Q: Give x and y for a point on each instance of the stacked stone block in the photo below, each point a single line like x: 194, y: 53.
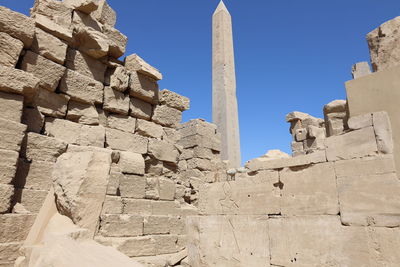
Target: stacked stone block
x: 336, y: 115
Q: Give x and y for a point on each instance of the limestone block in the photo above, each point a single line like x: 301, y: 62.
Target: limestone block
x: 140, y: 109
x: 267, y: 163
x: 301, y: 134
x: 75, y: 133
x: 132, y: 246
x: 85, y: 65
x: 131, y: 163
x: 123, y: 225
x: 11, y: 106
x: 32, y: 200
x: 334, y: 125
x: 6, y: 196
x: 167, y: 116
x: 36, y: 175
x: 149, y: 129
x: 201, y: 164
x: 9, y: 253
x: 132, y: 186
x: 8, y: 166
x: 11, y: 134
x: 51, y: 104
x: 86, y: 6
x: 105, y: 14
x: 382, y: 164
x: 117, y: 41
x: 335, y: 106
x: 47, y: 71
x: 152, y: 188
x: 43, y: 148
x: 115, y: 101
x: 228, y: 241
x: 91, y: 42
x: 383, y: 132
x: 136, y: 63
x: 167, y: 244
x: 53, y: 10
x: 314, y: 144
x: 114, y: 180
x: 295, y: 241
x: 17, y: 25
x: 80, y: 183
x: 171, y: 135
x: 383, y: 46
x: 80, y: 19
x: 121, y: 122
x: 10, y: 49
x: 360, y: 69
x: 163, y: 151
x: 18, y: 82
x: 201, y: 141
x: 113, y: 205
x: 297, y: 146
x: 15, y: 227
x: 138, y: 206
x: 199, y: 127
x: 49, y: 46
x: 48, y: 25
x: 316, y: 132
x: 369, y: 200
x: 361, y: 121
x: 82, y: 113
x: 156, y: 225
x: 143, y: 87
x: 166, y: 189
x: 309, y: 191
x: 33, y: 119
x: 119, y: 80
x: 242, y: 197
x: 355, y: 144
x: 81, y: 88
x: 123, y: 141
x: 205, y: 153
x: 174, y: 100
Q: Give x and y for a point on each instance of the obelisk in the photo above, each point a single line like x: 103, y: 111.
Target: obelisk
x: 225, y: 108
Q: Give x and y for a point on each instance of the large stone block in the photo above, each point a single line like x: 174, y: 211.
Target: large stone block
x: 35, y: 175
x: 17, y: 25
x: 53, y: 10
x: 167, y: 116
x: 150, y: 207
x: 121, y: 225
x: 124, y: 141
x: 355, y: 144
x: 75, y: 133
x: 9, y: 253
x: 140, y: 109
x: 32, y: 118
x: 82, y: 113
x: 18, y: 81
x: 132, y: 246
x: 15, y: 227
x: 113, y: 205
x: 117, y: 41
x: 49, y: 46
x: 361, y: 121
x: 163, y: 151
x: 228, y: 241
x: 121, y: 122
x: 132, y: 186
x: 11, y: 134
x: 105, y: 14
x: 8, y: 166
x: 32, y: 200
x: 199, y: 127
x: 81, y: 88
x: 6, y: 197
x: 143, y: 87
x: 149, y: 129
x: 80, y: 185
x: 167, y: 189
x: 43, y: 148
x: 309, y: 191
x: 115, y: 101
x: 360, y: 69
x: 47, y: 71
x: 51, y: 104
x: 131, y: 163
x: 174, y: 100
x: 91, y: 42
x: 381, y: 164
x: 81, y: 19
x: 85, y: 65
x: 200, y: 141
x: 11, y: 106
x: 86, y: 6
x: 54, y: 28
x: 10, y: 49
x: 119, y: 79
x: 136, y: 63
x: 383, y: 132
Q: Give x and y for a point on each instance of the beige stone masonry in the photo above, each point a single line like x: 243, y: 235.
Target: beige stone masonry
x: 56, y: 11
x: 117, y: 41
x: 383, y: 132
x: 361, y: 121
x: 132, y: 186
x: 113, y: 205
x: 105, y: 14
x: 80, y: 19
x: 167, y: 116
x: 35, y: 175
x: 17, y: 25
x: 119, y: 79
x: 19, y: 82
x: 166, y: 189
x: 140, y: 109
x: 43, y: 148
x: 82, y: 113
x: 136, y: 63
x: 49, y: 46
x: 91, y: 42
x: 122, y: 122
x: 124, y: 141
x: 53, y: 28
x: 11, y: 135
x: 6, y: 197
x: 15, y: 227
x: 143, y: 87
x: 162, y: 150
x: 32, y: 200
x: 360, y: 69
x: 10, y: 49
x: 86, y: 6
x: 33, y: 119
x: 51, y: 104
x: 11, y: 106
x: 201, y: 141
x: 8, y: 166
x: 131, y: 163
x: 121, y: 225
x: 85, y: 65
x: 149, y: 129
x: 115, y: 101
x: 174, y: 100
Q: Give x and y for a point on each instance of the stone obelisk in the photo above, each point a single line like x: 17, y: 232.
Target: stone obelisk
x: 225, y: 108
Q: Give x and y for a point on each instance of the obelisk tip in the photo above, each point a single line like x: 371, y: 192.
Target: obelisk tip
x: 221, y: 7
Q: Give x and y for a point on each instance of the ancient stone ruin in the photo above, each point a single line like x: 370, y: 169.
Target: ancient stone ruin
x: 98, y: 170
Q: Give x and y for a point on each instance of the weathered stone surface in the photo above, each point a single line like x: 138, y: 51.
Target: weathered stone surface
x: 81, y: 88
x: 33, y: 119
x: 119, y: 79
x: 316, y: 132
x: 381, y: 164
x: 105, y: 14
x: 82, y: 113
x: 18, y: 81
x: 296, y: 115
x: 150, y: 207
x: 85, y: 65
x: 32, y: 200
x: 75, y: 133
x: 6, y: 196
x: 53, y: 28
x: 121, y: 225
x: 115, y: 101
x: 113, y: 205
x: 43, y: 148
x: 143, y: 87
x: 149, y: 129
x: 140, y: 109
x: 383, y: 46
x: 360, y: 69
x: 53, y: 10
x: 131, y: 163
x: 335, y: 106
x: 11, y: 106
x: 9, y: 253
x: 35, y: 175
x: 47, y: 71
x: 121, y: 122
x: 126, y: 141
x: 17, y: 25
x: 167, y: 116
x: 11, y: 134
x: 166, y: 189
x: 309, y: 191
x: 361, y: 121
x: 355, y: 144
x: 49, y: 46
x: 10, y: 49
x: 228, y: 241
x: 91, y: 42
x: 136, y: 63
x: 201, y: 141
x: 174, y: 100
x: 132, y: 246
x: 15, y: 227
x: 86, y: 6
x: 80, y: 184
x: 383, y: 132
x: 8, y: 166
x: 80, y: 19
x: 117, y: 41
x: 51, y: 104
x: 301, y: 134
x: 132, y: 186
x: 162, y: 150
x: 197, y: 126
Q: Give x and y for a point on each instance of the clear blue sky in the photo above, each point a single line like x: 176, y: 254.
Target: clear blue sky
x: 290, y: 54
